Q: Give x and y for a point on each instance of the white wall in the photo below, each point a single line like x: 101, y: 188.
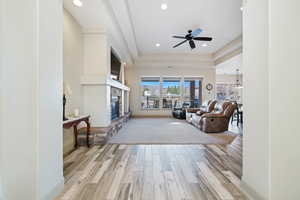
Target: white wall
x: 1, y: 93
x: 96, y: 96
x: 134, y: 73
x: 271, y: 79
x: 256, y: 99
x: 31, y: 90
x: 284, y: 70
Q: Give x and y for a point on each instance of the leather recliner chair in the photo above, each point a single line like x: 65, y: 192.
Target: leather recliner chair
x: 219, y: 108
x: 205, y: 109
x: 217, y: 122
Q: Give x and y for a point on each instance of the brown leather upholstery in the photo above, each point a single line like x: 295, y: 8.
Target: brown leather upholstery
x: 217, y: 122
x: 203, y: 108
x: 218, y: 108
x: 192, y: 110
x: 210, y: 106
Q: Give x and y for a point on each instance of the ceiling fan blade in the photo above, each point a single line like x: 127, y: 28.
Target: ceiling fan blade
x: 192, y: 44
x: 180, y: 43
x: 179, y: 37
x: 196, y: 32
x: 203, y: 38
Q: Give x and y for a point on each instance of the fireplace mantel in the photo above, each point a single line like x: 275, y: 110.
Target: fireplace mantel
x: 102, y: 80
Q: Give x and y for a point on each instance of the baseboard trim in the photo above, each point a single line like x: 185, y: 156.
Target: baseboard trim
x: 1, y: 191
x: 1, y: 194
x: 55, y: 191
x: 250, y: 192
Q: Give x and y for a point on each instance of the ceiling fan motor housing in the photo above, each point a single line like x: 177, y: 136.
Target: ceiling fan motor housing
x: 190, y: 37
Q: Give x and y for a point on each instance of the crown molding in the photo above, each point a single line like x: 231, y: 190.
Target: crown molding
x: 119, y: 11
x: 229, y: 50
x: 229, y: 55
x: 132, y: 27
x: 176, y: 61
x: 234, y: 44
x: 176, y: 57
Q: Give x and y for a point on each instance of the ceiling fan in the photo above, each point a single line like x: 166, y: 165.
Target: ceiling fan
x: 190, y: 37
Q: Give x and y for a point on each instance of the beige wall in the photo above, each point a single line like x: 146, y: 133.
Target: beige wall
x: 134, y: 74
x: 73, y: 61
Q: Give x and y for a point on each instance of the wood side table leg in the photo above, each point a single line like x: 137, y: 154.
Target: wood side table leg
x: 75, y: 135
x: 88, y: 131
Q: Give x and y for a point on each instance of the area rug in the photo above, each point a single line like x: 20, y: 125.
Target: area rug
x: 166, y: 131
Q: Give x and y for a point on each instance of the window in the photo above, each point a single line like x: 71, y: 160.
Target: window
x: 193, y: 91
x: 171, y: 94
x: 150, y: 93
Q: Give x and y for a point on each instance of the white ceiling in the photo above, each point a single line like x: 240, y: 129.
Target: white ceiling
x: 231, y: 65
x: 221, y: 19
x: 138, y: 25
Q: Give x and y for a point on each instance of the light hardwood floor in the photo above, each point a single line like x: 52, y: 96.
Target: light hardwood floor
x: 154, y: 172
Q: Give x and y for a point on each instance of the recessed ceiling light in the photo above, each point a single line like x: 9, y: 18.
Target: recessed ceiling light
x: 77, y: 3
x: 242, y: 8
x: 157, y: 45
x: 164, y: 6
x: 204, y: 45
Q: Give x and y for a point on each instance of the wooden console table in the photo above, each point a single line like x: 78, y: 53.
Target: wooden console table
x: 73, y: 122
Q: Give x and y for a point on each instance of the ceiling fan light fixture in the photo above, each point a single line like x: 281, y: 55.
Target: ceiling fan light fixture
x: 204, y: 45
x: 164, y: 6
x: 77, y: 3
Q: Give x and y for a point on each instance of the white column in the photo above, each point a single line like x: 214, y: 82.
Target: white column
x: 271, y: 99
x: 256, y: 98
x: 96, y: 92
x: 284, y: 70
x: 122, y: 71
x: 31, y: 99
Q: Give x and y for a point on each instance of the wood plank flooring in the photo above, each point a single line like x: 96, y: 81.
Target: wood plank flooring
x: 153, y: 172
